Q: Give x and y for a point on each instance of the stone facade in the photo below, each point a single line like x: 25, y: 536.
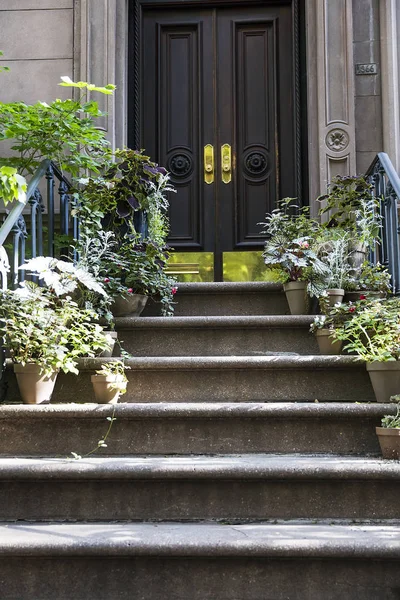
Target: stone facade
x: 88, y: 39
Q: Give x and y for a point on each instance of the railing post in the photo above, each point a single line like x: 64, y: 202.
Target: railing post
x: 50, y: 209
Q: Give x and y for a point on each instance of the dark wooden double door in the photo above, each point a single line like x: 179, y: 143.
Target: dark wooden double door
x: 217, y: 97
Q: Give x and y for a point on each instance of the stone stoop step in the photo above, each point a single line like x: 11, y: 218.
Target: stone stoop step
x: 226, y: 298
x: 192, y: 428
x: 224, y: 378
x: 252, y: 486
x: 216, y: 336
x: 202, y: 561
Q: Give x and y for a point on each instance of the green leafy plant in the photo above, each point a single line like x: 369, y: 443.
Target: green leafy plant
x: 38, y: 327
x: 392, y: 421
x: 12, y: 185
x: 374, y: 278
x: 63, y: 277
x: 331, y: 317
x: 351, y: 205
x: 131, y: 184
x: 333, y: 250
x: 115, y: 367
x: 373, y: 332
x: 64, y: 131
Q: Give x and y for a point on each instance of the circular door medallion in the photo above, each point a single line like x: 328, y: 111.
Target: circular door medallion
x: 180, y: 164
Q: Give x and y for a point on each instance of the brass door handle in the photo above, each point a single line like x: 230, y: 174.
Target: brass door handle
x: 226, y: 163
x: 209, y: 163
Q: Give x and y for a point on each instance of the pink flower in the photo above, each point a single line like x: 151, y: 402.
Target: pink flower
x: 130, y: 290
x: 174, y: 290
x: 106, y: 279
x: 305, y: 245
x: 352, y: 309
x: 362, y: 297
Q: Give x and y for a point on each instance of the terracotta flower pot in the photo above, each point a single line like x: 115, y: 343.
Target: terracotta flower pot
x: 109, y: 353
x: 385, y: 379
x: 34, y: 386
x: 389, y: 441
x: 326, y: 344
x: 296, y: 295
x: 108, y: 388
x: 335, y: 295
x: 131, y: 305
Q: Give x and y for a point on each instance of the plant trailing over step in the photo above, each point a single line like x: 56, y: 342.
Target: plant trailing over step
x: 101, y: 443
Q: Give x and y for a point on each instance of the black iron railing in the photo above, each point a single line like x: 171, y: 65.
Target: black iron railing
x: 386, y: 188
x: 33, y: 232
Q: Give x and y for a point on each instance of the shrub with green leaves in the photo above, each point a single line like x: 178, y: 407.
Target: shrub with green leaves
x: 64, y: 131
x: 373, y: 332
x: 13, y: 186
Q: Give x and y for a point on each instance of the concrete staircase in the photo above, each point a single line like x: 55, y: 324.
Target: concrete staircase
x: 243, y: 467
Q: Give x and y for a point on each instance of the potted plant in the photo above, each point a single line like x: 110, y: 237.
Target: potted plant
x: 325, y: 324
x: 370, y: 281
x: 351, y: 206
x: 389, y: 434
x: 288, y: 251
x: 110, y: 382
x: 43, y: 334
x: 373, y: 334
x: 332, y: 248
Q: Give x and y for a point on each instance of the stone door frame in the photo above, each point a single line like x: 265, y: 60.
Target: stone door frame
x: 101, y: 56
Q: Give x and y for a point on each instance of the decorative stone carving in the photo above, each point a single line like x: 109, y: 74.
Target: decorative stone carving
x: 337, y: 140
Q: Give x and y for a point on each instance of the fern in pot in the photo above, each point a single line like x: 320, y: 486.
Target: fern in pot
x: 45, y: 334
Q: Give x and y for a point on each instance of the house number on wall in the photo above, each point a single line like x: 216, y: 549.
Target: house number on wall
x: 367, y: 69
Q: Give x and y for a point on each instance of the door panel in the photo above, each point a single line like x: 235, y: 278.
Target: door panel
x: 219, y: 76
x: 182, y: 113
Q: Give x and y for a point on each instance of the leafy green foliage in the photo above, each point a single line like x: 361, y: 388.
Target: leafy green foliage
x: 332, y: 247
x: 373, y: 332
x: 63, y: 277
x: 350, y: 204
x: 374, y: 278
x: 132, y: 183
x: 64, y: 131
x: 331, y: 317
x: 38, y: 327
x: 12, y: 185
x: 392, y: 421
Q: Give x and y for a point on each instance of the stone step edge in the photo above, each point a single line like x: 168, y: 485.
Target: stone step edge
x: 204, y: 467
x: 195, y: 410
x: 163, y: 363
x: 201, y: 540
x: 229, y: 287
x: 216, y: 322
